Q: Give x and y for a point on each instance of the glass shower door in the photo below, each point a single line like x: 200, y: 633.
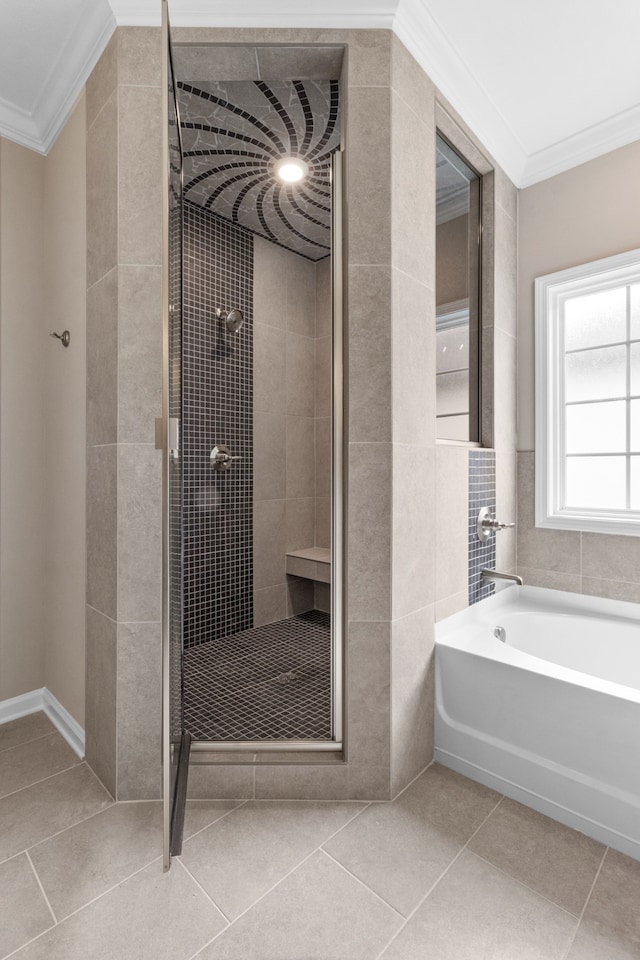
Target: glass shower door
x: 175, y: 747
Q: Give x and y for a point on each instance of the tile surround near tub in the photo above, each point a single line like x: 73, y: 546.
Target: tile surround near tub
x: 482, y: 493
x: 599, y: 565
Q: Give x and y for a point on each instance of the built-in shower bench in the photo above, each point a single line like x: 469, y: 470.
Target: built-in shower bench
x: 312, y: 563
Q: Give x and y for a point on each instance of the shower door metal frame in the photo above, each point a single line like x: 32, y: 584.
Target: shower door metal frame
x: 170, y: 750
x: 215, y: 751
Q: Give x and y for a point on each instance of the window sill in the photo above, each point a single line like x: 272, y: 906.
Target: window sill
x: 623, y: 526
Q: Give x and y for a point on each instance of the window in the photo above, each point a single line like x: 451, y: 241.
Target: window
x: 588, y: 397
x: 458, y: 214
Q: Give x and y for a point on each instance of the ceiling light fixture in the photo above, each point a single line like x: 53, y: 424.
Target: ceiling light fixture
x: 291, y: 169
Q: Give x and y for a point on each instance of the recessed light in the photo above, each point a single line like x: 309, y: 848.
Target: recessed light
x: 291, y: 169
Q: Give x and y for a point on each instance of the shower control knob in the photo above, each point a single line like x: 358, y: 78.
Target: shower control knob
x: 221, y: 458
x: 487, y: 524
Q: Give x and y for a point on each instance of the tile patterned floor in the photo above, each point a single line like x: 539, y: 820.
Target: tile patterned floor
x: 269, y: 683
x: 449, y: 871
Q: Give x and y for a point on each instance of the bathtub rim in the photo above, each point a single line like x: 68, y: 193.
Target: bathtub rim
x: 470, y: 629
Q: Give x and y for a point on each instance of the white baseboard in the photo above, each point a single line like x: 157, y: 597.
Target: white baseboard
x: 43, y: 699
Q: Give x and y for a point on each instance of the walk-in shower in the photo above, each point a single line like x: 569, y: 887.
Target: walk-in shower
x: 253, y: 401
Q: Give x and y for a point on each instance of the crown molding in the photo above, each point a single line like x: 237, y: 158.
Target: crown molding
x: 335, y: 14
x: 71, y: 70
x: 18, y: 125
x: 423, y: 37
x: 583, y: 146
x: 411, y: 22
x: 38, y: 129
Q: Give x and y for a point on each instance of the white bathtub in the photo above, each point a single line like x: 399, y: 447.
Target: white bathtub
x: 550, y: 716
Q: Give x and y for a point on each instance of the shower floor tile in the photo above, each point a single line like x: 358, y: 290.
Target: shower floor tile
x: 269, y: 683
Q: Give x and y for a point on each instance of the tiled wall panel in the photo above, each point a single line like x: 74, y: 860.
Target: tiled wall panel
x: 482, y: 493
x: 217, y: 368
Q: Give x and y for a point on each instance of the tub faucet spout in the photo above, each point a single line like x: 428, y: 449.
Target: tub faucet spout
x: 494, y: 575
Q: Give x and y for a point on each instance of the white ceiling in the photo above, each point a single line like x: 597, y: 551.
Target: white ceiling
x: 545, y: 85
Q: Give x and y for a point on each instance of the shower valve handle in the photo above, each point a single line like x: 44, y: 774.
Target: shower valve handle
x: 487, y: 525
x: 221, y: 458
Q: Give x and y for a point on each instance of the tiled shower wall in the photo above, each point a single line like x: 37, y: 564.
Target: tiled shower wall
x: 217, y: 369
x: 405, y: 494
x: 292, y: 408
x: 124, y: 395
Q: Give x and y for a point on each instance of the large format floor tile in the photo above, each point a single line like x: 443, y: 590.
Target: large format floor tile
x: 318, y: 912
x: 24, y: 729
x: 39, y: 811
x: 400, y: 849
x: 610, y: 928
x: 200, y: 814
x: 476, y: 912
x: 153, y: 916
x: 33, y: 761
x: 555, y: 861
x: 88, y: 859
x: 239, y: 858
x: 23, y: 908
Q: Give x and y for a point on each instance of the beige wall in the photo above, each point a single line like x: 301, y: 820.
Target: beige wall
x: 42, y: 562
x: 292, y: 382
x: 587, y: 213
x: 23, y: 375
x: 65, y: 420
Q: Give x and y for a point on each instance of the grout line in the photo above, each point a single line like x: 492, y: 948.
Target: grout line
x: 436, y: 882
x: 586, y: 904
x: 102, y: 784
x: 417, y: 777
x: 27, y: 786
x: 25, y: 742
x: 224, y: 815
x: 207, y: 895
x: 42, y: 890
x: 113, y: 887
x: 19, y: 746
x: 260, y: 898
x: 429, y: 124
x: 57, y: 833
x: 526, y: 886
x: 318, y: 849
x: 363, y: 884
x: 28, y: 943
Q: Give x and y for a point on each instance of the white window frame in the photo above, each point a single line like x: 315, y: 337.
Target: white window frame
x: 550, y: 292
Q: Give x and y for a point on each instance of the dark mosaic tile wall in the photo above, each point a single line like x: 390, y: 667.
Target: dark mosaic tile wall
x: 217, y: 409
x: 482, y: 493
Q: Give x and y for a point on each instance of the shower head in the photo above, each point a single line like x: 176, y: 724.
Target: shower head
x: 232, y: 319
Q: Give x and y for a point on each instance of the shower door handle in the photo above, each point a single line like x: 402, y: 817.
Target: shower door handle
x: 221, y: 458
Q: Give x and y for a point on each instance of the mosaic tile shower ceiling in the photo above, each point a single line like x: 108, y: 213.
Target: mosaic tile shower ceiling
x: 233, y: 133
